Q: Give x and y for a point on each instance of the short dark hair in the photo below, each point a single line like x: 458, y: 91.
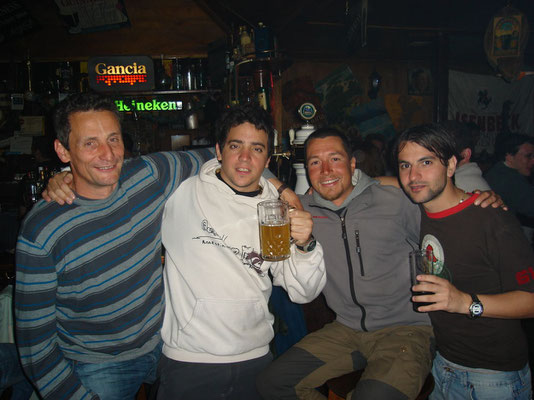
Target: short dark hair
x: 240, y: 114
x: 432, y: 137
x: 325, y: 132
x: 462, y: 133
x: 511, y: 144
x: 79, y: 102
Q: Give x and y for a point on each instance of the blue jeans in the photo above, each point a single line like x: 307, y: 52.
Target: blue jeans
x: 455, y: 382
x: 119, y: 380
x: 11, y: 374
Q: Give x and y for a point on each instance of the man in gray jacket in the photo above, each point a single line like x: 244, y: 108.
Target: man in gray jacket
x: 368, y: 231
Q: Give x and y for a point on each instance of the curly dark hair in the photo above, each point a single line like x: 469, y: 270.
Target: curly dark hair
x: 79, y: 102
x: 237, y: 115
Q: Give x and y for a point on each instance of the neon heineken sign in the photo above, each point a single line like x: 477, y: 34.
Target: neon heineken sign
x: 148, y: 105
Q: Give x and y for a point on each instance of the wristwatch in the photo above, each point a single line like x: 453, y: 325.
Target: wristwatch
x: 308, y: 246
x: 476, y: 308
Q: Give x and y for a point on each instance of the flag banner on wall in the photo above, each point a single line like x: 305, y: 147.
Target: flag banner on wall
x: 493, y: 104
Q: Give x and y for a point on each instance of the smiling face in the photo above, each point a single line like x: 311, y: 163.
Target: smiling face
x: 423, y: 176
x: 330, y: 168
x: 243, y: 157
x: 96, y: 152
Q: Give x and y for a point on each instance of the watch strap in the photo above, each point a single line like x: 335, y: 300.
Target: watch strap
x: 308, y: 246
x: 281, y: 188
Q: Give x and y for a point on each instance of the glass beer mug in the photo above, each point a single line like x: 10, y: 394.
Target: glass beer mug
x: 273, y: 216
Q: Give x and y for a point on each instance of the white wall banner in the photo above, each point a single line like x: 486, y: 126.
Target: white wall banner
x: 493, y: 104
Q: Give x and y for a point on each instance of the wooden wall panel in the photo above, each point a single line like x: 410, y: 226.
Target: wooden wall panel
x: 169, y: 27
x: 413, y: 109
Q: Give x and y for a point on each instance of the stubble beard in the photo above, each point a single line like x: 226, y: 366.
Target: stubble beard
x: 431, y: 195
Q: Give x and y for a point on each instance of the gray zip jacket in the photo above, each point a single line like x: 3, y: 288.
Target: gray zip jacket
x: 366, y: 242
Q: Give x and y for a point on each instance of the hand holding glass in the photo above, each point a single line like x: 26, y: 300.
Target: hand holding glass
x: 273, y: 217
x: 421, y: 262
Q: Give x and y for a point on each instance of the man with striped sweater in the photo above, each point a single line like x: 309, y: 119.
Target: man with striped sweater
x: 89, y: 294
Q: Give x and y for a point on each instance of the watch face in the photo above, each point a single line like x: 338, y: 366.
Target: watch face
x: 309, y: 247
x: 476, y: 309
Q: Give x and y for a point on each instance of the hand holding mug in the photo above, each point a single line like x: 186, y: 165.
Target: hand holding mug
x: 273, y: 218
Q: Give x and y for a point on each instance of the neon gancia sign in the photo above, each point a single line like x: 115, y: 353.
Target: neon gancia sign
x: 121, y: 73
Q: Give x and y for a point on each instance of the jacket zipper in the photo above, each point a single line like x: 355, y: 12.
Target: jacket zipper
x: 359, y: 251
x: 351, y: 272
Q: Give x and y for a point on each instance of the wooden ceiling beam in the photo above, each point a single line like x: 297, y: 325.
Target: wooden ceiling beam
x: 214, y: 15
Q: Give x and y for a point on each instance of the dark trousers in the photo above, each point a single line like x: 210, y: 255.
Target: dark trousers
x: 202, y: 381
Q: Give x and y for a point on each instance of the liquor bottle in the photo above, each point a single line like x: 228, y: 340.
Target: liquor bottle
x: 31, y: 190
x: 178, y: 75
x: 262, y: 88
x: 247, y: 46
x: 201, y: 75
x: 189, y: 80
x: 29, y: 95
x: 263, y: 98
x: 263, y: 41
x: 65, y: 77
x: 163, y: 81
x: 194, y: 75
x: 42, y: 178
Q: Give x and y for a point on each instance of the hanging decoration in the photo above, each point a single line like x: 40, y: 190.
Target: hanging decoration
x: 505, y: 42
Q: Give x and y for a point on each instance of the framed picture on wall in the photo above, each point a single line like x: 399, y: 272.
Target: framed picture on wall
x: 420, y: 82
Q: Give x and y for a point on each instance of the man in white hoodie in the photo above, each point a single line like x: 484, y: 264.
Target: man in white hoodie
x: 217, y: 326
x: 468, y: 175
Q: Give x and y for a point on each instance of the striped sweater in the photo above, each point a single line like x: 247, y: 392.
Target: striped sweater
x: 89, y: 276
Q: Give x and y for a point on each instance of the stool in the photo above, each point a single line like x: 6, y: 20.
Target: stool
x: 340, y: 386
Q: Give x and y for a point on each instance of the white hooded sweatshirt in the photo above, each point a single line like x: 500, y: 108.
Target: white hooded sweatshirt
x: 216, y: 284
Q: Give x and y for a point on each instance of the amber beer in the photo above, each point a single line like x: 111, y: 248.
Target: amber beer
x: 273, y: 217
x: 274, y: 242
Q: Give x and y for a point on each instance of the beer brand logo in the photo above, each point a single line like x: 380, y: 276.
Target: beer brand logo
x: 151, y: 105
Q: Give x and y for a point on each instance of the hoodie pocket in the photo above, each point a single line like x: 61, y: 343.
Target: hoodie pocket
x: 226, y: 327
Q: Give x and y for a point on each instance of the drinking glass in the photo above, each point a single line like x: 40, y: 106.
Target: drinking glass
x: 273, y: 216
x: 422, y: 262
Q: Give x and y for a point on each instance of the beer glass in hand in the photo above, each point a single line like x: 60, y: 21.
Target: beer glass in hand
x: 421, y: 262
x: 273, y: 216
